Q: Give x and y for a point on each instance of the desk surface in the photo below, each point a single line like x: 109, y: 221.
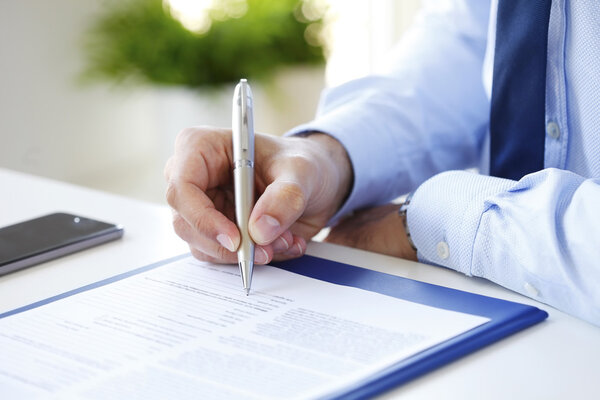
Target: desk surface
x: 556, y: 359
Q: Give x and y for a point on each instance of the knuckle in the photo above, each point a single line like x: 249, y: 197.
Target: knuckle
x: 200, y: 222
x: 200, y: 255
x: 171, y: 193
x: 185, y: 135
x: 188, y: 135
x: 179, y: 226
x: 222, y: 253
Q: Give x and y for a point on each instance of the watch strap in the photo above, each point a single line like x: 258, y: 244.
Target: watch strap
x: 402, y: 211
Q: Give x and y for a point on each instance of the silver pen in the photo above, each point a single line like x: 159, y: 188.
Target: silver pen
x: 243, y: 175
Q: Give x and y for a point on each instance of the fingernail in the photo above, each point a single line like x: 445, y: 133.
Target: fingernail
x: 260, y: 255
x: 280, y: 245
x: 225, y: 241
x: 265, y: 229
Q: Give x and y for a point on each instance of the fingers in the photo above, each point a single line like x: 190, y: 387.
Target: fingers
x: 262, y: 254
x: 288, y: 246
x: 209, y: 251
x: 297, y: 249
x: 283, y: 243
x: 213, y: 236
x: 209, y: 226
x: 211, y: 247
x: 200, y: 192
x: 259, y: 257
x: 197, y: 177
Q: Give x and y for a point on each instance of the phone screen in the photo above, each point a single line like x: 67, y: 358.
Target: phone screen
x: 51, y: 236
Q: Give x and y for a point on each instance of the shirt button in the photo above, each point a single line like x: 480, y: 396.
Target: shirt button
x: 442, y: 250
x: 531, y: 290
x: 553, y: 130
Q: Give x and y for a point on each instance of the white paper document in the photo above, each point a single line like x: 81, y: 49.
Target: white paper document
x: 186, y: 330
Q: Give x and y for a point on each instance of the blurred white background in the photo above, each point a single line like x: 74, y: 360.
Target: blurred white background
x: 118, y: 139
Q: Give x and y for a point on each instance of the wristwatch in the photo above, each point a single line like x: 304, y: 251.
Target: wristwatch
x: 402, y: 213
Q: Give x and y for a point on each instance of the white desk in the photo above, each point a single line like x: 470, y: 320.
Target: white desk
x: 557, y: 359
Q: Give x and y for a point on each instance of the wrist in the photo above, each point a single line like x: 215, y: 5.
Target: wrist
x: 340, y: 166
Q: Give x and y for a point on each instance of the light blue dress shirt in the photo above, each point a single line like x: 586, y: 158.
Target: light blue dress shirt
x: 424, y: 119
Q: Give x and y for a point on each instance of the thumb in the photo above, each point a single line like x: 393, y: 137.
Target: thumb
x: 281, y: 204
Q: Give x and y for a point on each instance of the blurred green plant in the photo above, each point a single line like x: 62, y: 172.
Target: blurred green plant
x: 143, y: 41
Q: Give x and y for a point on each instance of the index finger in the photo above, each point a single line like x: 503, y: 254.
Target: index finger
x: 211, y: 228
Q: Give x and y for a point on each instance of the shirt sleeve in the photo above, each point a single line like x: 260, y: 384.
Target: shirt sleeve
x: 538, y: 236
x: 425, y: 113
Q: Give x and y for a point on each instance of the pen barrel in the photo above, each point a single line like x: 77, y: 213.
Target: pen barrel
x: 243, y: 180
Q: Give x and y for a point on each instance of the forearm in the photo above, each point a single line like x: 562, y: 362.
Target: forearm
x: 424, y: 114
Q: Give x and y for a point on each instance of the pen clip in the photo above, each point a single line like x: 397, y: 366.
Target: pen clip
x: 245, y: 134
x: 243, y: 123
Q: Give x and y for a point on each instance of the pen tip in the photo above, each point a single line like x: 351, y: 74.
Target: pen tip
x: 247, y: 291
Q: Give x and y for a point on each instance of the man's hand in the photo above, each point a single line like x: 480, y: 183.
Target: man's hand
x: 300, y: 184
x: 379, y: 229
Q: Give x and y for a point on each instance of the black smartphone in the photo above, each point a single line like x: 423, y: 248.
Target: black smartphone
x: 51, y: 236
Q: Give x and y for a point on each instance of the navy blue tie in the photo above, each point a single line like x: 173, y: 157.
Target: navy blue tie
x: 517, y: 119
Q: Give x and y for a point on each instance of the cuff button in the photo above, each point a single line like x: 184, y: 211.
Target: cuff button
x: 443, y: 250
x: 531, y: 290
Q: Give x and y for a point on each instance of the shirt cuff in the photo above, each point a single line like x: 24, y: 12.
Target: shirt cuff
x: 444, y: 216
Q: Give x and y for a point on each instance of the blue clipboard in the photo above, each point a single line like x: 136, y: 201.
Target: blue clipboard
x: 506, y: 318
